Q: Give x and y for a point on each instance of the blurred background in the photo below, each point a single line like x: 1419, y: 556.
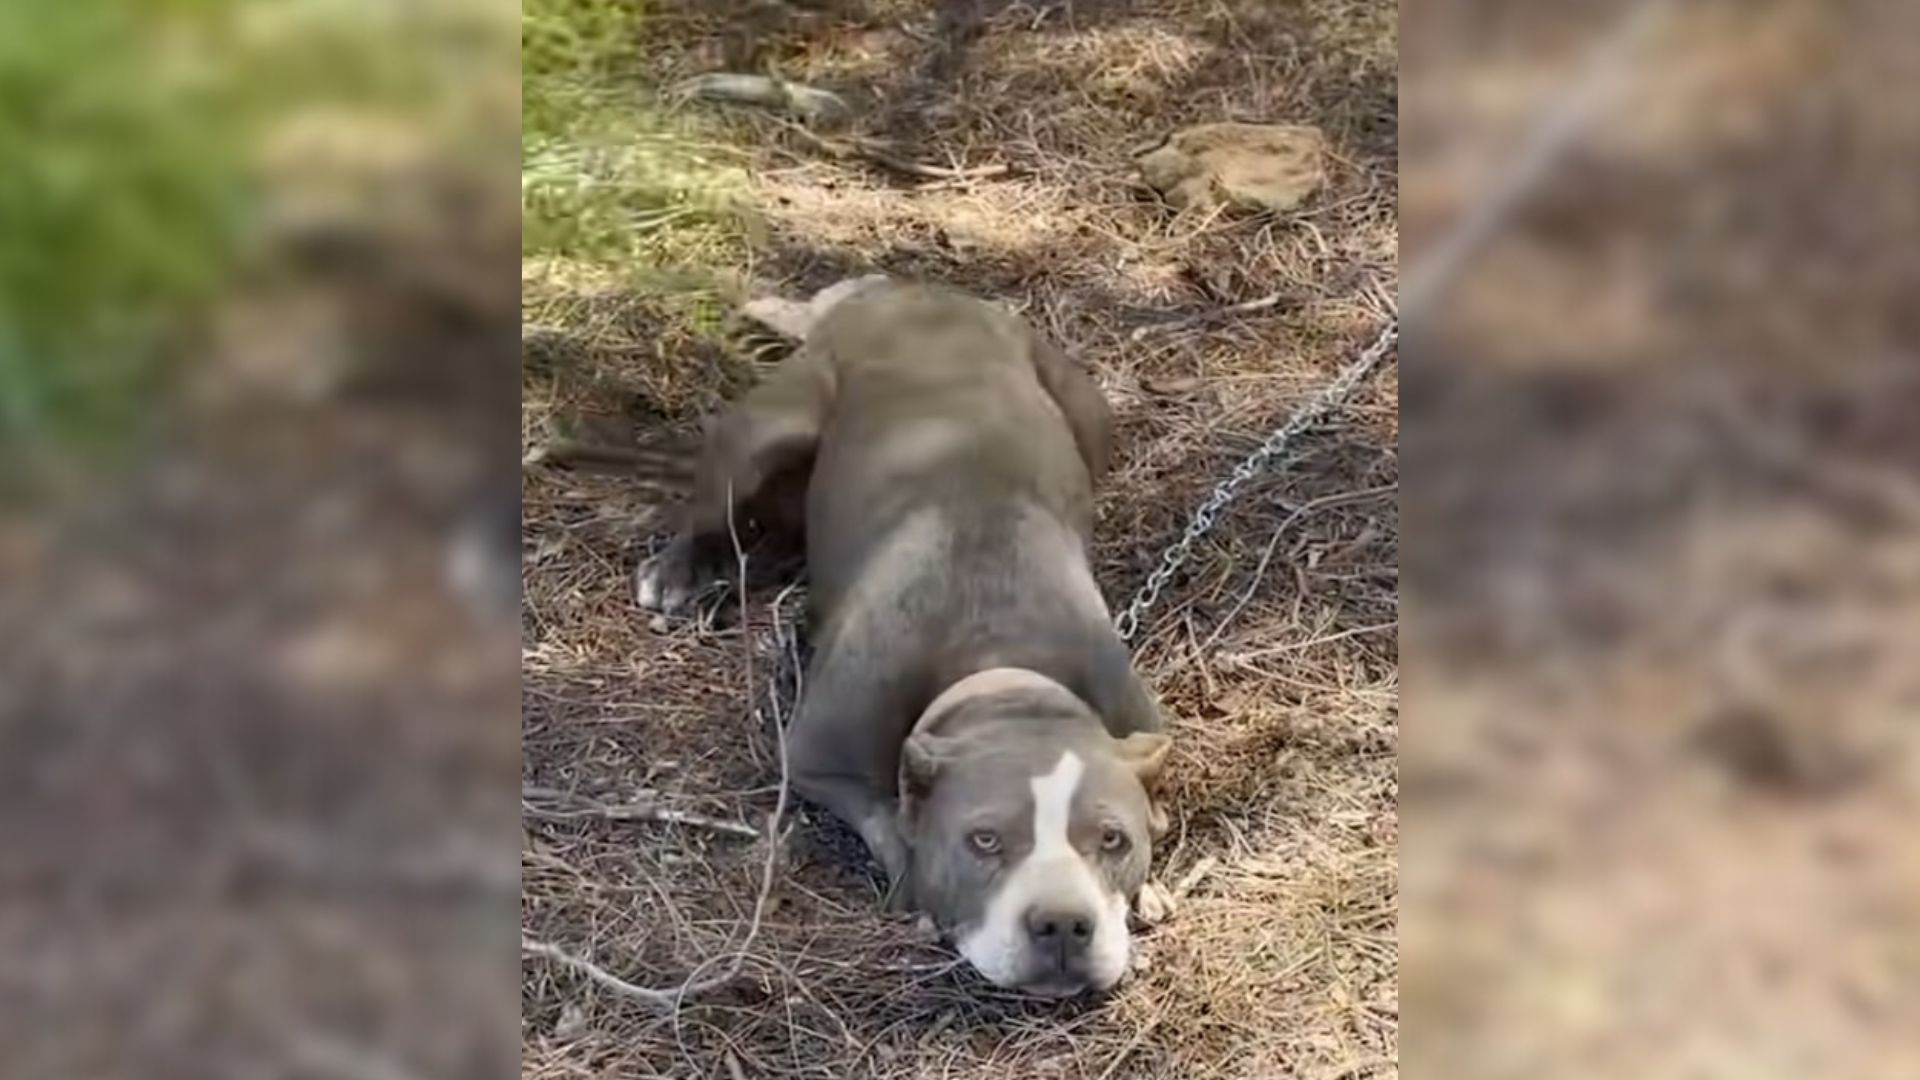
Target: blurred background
x: 258, y: 537
x: 1662, y: 568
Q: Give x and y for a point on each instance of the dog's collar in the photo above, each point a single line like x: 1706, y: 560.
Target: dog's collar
x: 981, y: 683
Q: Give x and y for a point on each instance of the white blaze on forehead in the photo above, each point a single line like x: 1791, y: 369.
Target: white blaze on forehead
x: 998, y: 947
x: 1053, y: 806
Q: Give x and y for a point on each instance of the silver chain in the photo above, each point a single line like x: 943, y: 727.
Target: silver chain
x: 1328, y: 397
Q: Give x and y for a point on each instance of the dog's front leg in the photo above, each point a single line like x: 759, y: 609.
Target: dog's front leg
x: 770, y: 433
x: 875, y: 818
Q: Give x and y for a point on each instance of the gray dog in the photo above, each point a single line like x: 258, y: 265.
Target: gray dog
x: 969, y: 708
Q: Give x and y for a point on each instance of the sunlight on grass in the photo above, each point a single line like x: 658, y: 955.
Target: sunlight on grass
x: 132, y: 200
x: 608, y: 175
x: 118, y: 203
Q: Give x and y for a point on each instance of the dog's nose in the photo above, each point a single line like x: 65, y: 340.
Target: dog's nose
x: 1065, y: 933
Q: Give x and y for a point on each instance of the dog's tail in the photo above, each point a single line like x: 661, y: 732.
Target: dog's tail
x: 661, y: 468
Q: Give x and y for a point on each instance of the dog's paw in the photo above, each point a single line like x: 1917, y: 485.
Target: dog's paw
x: 840, y: 291
x: 666, y: 584
x: 789, y: 318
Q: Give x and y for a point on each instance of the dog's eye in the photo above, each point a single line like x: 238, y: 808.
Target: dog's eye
x: 1113, y: 840
x: 984, y: 841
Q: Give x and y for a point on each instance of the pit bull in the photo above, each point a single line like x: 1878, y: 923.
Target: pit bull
x: 969, y: 708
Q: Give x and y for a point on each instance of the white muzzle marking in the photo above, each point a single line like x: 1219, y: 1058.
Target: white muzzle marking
x: 999, y: 946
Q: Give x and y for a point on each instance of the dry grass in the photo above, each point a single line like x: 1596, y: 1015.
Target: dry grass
x: 1278, y: 671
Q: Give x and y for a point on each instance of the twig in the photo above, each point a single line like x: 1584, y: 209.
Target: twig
x: 1194, y: 876
x: 1266, y: 556
x: 746, y: 661
x: 868, y: 151
x: 1296, y: 646
x: 672, y: 998
x: 1265, y: 303
x: 660, y: 998
x: 640, y: 811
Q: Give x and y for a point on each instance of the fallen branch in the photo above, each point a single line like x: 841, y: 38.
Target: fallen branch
x: 636, y: 811
x: 1265, y: 303
x: 659, y: 998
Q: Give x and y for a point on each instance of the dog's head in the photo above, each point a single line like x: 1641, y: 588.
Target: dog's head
x: 1030, y: 831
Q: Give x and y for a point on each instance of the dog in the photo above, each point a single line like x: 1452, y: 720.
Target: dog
x: 969, y: 708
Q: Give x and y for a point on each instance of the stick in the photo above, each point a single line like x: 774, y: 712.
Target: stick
x: 1265, y: 303
x: 658, y: 998
x: 642, y: 811
x: 1266, y: 555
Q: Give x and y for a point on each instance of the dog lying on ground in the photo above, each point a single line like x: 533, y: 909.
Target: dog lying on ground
x: 969, y: 708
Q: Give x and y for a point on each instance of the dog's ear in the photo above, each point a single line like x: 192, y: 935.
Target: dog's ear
x: 1146, y: 753
x: 920, y: 762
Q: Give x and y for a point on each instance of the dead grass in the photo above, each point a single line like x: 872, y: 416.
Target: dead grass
x: 1279, y: 680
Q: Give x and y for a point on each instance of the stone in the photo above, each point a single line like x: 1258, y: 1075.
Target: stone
x: 1261, y: 167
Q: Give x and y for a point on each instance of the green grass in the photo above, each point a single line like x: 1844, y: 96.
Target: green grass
x: 128, y: 129
x: 119, y: 203
x: 609, y: 176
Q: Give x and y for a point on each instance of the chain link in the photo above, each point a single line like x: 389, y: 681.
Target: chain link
x: 1329, y: 396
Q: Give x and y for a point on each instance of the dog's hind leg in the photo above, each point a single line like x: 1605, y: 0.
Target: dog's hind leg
x: 1081, y: 402
x: 767, y: 437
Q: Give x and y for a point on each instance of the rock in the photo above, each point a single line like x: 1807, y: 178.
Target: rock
x: 1252, y: 166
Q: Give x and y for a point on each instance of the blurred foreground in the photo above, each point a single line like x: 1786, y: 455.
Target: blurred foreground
x: 1664, y: 563
x: 257, y: 664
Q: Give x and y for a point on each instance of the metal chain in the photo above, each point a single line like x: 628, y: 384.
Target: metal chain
x: 1329, y: 396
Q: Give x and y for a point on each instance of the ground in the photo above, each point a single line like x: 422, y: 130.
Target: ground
x: 1274, y: 651
x: 1663, y: 576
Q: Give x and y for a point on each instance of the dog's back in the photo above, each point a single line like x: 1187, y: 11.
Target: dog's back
x: 941, y: 417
